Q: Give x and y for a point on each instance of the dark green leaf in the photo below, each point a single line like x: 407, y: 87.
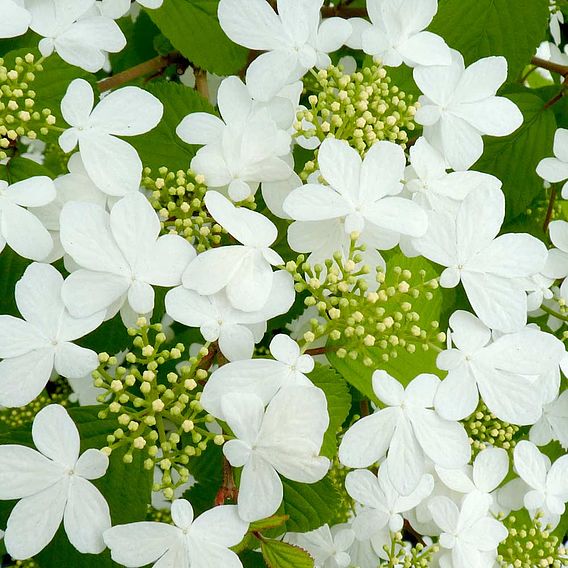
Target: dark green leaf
x: 514, y: 158
x: 480, y: 28
x: 193, y: 28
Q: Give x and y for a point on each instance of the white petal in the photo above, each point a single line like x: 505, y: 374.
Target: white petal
x: 490, y: 468
x: 368, y: 440
x: 92, y: 464
x: 32, y: 192
x: 270, y: 72
x: 25, y: 472
x: 78, y: 103
x: 316, y: 203
x: 112, y: 164
x: 530, y: 464
x: 74, y: 362
x: 15, y: 19
x: 283, y: 348
x: 236, y: 342
x: 496, y: 116
x: 182, y: 513
x: 56, y: 436
x: 399, y: 215
x: 425, y: 48
x: 387, y: 388
x: 405, y: 459
x: 35, y: 520
x: 481, y: 79
x: 340, y: 166
x: 260, y: 490
x: 444, y: 513
x: 23, y: 378
x: 244, y: 414
x: 558, y: 231
x: 457, y: 395
x: 220, y: 525
x: 234, y: 101
x: 24, y: 232
x: 200, y: 128
x: 362, y: 485
x: 332, y: 34
x: 557, y: 480
x: 129, y: 111
x: 250, y: 287
x: 18, y: 337
x: 552, y: 170
x: 138, y: 544
x: 381, y: 172
x: 462, y: 144
x: 87, y: 517
x: 439, y: 82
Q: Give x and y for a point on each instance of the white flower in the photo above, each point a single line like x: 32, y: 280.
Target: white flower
x: 489, y: 469
x: 236, y: 331
x: 459, y: 106
x: 295, y: 40
x: 556, y: 18
x: 469, y: 533
x: 396, y: 34
x: 383, y: 504
x: 74, y: 186
x: 555, y: 169
x: 286, y: 440
x: 262, y: 377
x: 244, y: 149
x: 20, y: 228
x: 15, y: 19
x: 33, y: 347
x: 548, y: 484
x: 191, y: 543
x: 432, y: 187
x: 362, y: 191
x: 120, y: 256
x: 408, y: 430
x: 506, y: 370
x: 553, y: 425
x: 491, y: 268
x: 243, y: 271
x: 327, y: 546
x: 115, y: 9
x: 557, y: 262
x: 78, y: 36
x: 53, y: 486
x: 112, y: 164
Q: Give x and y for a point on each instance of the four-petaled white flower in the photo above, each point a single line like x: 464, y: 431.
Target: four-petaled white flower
x: 557, y: 262
x: 459, y: 106
x: 120, y: 256
x: 53, y: 485
x: 80, y: 37
x: 548, y: 484
x: 236, y: 331
x: 285, y: 439
x: 247, y: 147
x: 244, y: 271
x: 555, y: 169
x: 295, y: 39
x: 262, y: 377
x: 112, y: 164
x: 553, y: 424
x: 33, y: 347
x: 364, y: 192
x: 382, y: 504
x: 396, y: 33
x: 15, y: 19
x: 469, y: 533
x: 491, y: 268
x: 20, y: 228
x: 191, y: 543
x: 408, y: 430
x: 505, y: 370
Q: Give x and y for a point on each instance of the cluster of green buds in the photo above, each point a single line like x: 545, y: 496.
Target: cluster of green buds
x: 371, y: 325
x: 530, y: 545
x: 402, y: 556
x: 155, y: 400
x: 178, y: 198
x: 337, y: 475
x: 486, y: 430
x: 59, y: 392
x: 362, y: 108
x: 18, y: 113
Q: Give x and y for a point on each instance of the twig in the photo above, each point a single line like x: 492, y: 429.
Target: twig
x: 550, y: 66
x: 316, y: 351
x: 153, y: 66
x: 201, y: 85
x: 550, y: 209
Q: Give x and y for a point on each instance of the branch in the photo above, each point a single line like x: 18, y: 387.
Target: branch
x: 157, y: 64
x: 550, y: 209
x: 550, y: 66
x: 201, y: 85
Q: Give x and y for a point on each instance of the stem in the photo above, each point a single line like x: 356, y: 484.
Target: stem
x: 550, y: 209
x: 154, y: 65
x: 316, y: 351
x: 550, y: 66
x: 553, y: 313
x: 201, y: 85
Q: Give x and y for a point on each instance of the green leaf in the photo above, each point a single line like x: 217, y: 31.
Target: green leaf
x: 514, y: 158
x: 480, y: 28
x: 193, y: 28
x: 309, y: 506
x: 12, y: 268
x: 252, y: 559
x: 162, y: 146
x: 19, y: 169
x: 338, y: 404
x: 278, y: 554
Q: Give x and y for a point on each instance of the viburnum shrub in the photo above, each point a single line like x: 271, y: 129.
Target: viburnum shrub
x: 283, y: 283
